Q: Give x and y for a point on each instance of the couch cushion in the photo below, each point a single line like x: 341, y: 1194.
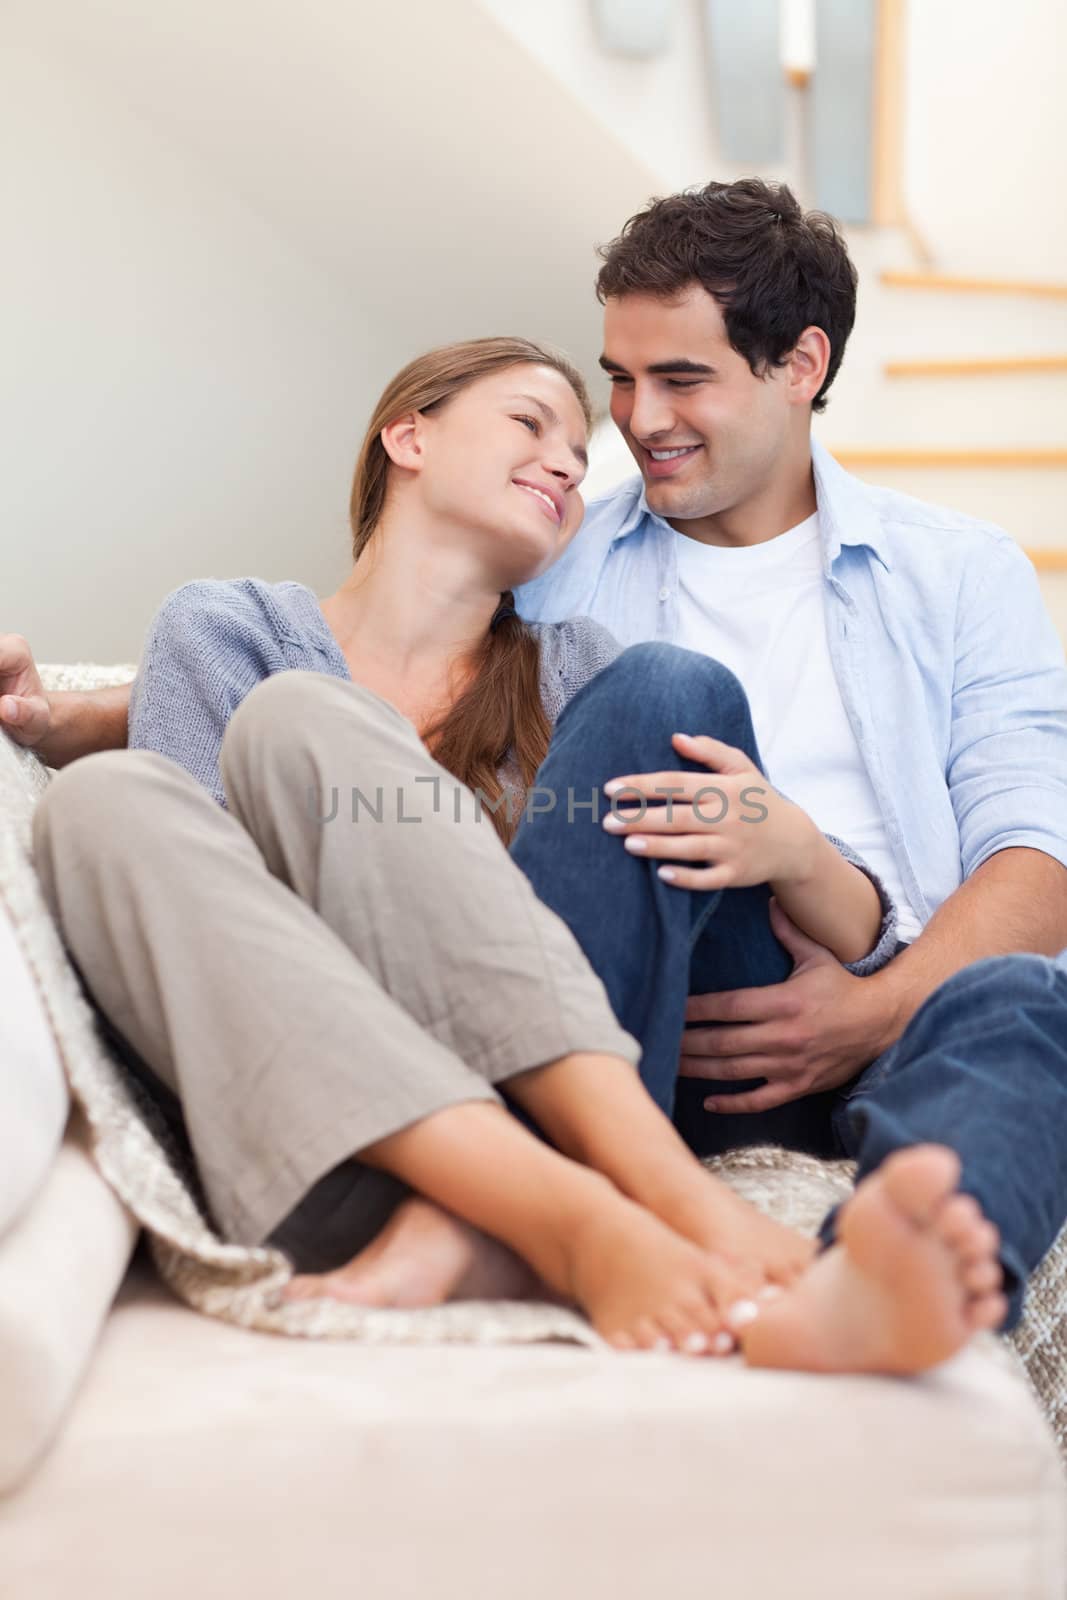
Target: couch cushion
x: 33, y: 1090
x: 206, y: 1460
x: 65, y: 1238
x: 60, y: 1267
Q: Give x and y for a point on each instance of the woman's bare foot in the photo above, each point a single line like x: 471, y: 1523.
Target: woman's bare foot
x: 423, y: 1257
x: 704, y: 1209
x: 642, y: 1286
x: 605, y: 1118
x: 913, y: 1275
x: 645, y: 1287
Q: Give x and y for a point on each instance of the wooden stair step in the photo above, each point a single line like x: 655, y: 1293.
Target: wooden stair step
x: 920, y: 456
x: 975, y: 366
x: 947, y: 281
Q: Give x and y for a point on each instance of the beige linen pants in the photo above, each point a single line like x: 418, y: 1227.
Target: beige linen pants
x: 345, y: 950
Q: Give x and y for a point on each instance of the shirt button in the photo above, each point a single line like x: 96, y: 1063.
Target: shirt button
x: 665, y: 594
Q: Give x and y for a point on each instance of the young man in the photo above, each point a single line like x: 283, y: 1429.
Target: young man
x: 886, y: 695
x: 907, y: 687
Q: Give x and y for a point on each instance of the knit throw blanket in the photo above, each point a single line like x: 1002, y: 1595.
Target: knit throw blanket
x: 242, y: 1285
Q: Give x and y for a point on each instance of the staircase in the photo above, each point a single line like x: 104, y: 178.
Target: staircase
x: 953, y: 389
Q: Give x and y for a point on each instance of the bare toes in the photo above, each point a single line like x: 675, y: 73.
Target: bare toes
x: 677, y: 1326
x: 696, y: 1343
x: 983, y: 1242
x: 726, y: 1282
x: 981, y: 1277
x: 987, y: 1312
x: 702, y: 1322
x: 919, y: 1180
x: 621, y: 1341
x: 741, y: 1313
x: 647, y: 1334
x: 958, y: 1218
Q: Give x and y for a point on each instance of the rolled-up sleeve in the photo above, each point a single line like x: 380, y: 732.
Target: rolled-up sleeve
x: 1007, y: 764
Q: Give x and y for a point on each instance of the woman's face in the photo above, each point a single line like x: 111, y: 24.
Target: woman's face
x: 502, y: 461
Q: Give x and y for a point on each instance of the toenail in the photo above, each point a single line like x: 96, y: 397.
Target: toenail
x: 770, y: 1291
x: 695, y: 1344
x: 722, y: 1344
x: 742, y: 1313
x: 663, y: 1344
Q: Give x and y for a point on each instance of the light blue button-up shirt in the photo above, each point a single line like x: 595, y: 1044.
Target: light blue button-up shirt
x: 951, y: 673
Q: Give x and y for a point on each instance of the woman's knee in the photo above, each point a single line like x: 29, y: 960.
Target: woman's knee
x: 98, y: 803
x: 289, y: 712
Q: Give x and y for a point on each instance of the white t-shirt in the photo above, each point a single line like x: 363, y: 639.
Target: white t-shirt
x: 760, y: 611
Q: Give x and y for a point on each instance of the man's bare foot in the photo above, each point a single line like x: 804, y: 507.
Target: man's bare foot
x: 423, y: 1257
x: 913, y: 1275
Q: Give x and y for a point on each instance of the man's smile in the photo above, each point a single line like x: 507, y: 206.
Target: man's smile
x: 665, y: 463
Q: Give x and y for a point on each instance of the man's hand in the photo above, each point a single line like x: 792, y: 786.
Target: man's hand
x: 25, y: 709
x: 815, y: 1031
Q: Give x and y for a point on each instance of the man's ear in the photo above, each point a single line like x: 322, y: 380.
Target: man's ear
x: 402, y: 440
x: 808, y: 362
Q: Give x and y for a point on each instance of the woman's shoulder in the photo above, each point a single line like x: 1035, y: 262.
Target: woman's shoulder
x: 278, y: 625
x: 243, y: 604
x: 572, y: 652
x: 577, y: 641
x: 209, y: 644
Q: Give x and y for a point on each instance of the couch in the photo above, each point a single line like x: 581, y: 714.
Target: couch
x: 150, y: 1449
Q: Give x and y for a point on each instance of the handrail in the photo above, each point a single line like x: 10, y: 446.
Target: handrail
x: 975, y: 366
x: 942, y: 280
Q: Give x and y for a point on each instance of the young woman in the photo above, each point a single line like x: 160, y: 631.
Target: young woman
x: 344, y: 987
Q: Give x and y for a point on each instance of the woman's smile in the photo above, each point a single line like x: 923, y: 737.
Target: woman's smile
x: 551, y: 499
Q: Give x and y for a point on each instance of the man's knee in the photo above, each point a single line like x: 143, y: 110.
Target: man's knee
x: 695, y: 692
x: 994, y: 981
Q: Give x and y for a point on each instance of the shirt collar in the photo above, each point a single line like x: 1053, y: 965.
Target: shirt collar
x: 847, y: 515
x: 637, y: 511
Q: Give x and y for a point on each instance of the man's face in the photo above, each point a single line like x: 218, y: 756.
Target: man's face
x: 679, y: 386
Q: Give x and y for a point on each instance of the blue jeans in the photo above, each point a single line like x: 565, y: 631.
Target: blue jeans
x: 982, y: 1067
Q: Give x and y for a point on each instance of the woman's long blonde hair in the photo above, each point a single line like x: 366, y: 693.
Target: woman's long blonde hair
x: 501, y: 709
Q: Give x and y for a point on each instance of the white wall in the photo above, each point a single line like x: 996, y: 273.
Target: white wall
x: 661, y: 109
x: 987, y: 134
x: 226, y: 225
x: 181, y: 389
x: 986, y: 125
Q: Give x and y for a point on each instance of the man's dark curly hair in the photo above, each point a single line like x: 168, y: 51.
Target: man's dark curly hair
x: 773, y: 268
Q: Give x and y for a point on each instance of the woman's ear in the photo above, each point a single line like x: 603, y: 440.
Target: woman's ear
x: 402, y: 441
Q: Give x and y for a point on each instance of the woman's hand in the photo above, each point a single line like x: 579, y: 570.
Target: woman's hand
x: 25, y: 709
x: 717, y: 832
